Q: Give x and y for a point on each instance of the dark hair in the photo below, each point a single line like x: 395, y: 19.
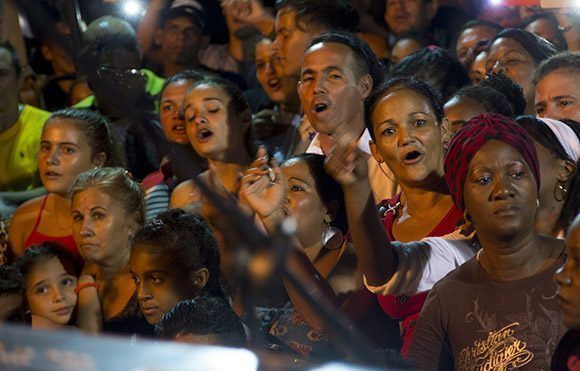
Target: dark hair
x: 560, y: 61
x: 366, y: 60
x: 542, y: 134
x: 11, y: 281
x: 480, y: 23
x: 193, y: 75
x: 569, y: 345
x: 14, y: 56
x: 492, y: 100
x: 40, y: 253
x: 326, y: 15
x: 420, y: 37
x: 510, y: 89
x: 550, y: 18
x: 187, y: 75
x: 419, y: 87
x: 327, y: 188
x: 187, y: 240
x: 117, y: 184
x: 96, y: 129
x: 203, y: 316
x: 538, y: 48
x: 436, y: 66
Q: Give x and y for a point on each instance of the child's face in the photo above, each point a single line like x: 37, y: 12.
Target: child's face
x: 159, y: 285
x: 10, y: 308
x: 50, y: 291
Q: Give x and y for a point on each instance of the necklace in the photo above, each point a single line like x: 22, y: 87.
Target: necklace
x: 385, y: 208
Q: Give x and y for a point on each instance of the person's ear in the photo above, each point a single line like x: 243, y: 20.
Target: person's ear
x: 375, y: 152
x: 331, y: 211
x: 199, y: 278
x: 567, y: 170
x: 100, y: 159
x: 158, y: 36
x: 134, y: 225
x: 246, y: 119
x: 366, y: 85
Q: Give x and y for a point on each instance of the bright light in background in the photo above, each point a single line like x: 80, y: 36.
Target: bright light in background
x: 496, y: 2
x: 132, y: 8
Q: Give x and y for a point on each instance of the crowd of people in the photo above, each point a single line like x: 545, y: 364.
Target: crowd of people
x: 303, y: 177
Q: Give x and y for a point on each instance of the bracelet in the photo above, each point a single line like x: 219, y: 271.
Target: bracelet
x: 85, y: 285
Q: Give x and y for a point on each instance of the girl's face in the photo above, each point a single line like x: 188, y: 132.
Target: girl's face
x: 159, y: 285
x: 102, y: 228
x: 50, y: 291
x: 64, y: 153
x: 303, y: 202
x: 171, y: 111
x: 408, y: 137
x: 213, y: 129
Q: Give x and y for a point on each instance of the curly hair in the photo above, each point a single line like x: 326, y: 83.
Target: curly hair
x: 188, y: 240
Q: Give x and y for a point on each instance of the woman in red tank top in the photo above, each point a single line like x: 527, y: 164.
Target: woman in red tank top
x: 404, y: 118
x: 72, y: 142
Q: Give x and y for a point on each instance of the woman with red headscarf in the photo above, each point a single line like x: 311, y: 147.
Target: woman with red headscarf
x: 499, y: 310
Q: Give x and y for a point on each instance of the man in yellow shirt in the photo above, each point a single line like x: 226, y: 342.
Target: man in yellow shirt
x: 20, y: 131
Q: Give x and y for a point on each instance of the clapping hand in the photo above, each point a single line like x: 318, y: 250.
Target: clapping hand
x: 262, y: 186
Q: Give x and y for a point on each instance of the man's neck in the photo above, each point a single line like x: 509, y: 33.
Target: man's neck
x: 350, y: 130
x: 9, y: 117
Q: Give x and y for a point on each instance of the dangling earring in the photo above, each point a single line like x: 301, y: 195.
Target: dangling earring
x: 332, y: 238
x: 560, y: 191
x: 466, y: 216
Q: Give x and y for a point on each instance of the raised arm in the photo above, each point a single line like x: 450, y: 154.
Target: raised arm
x: 348, y: 165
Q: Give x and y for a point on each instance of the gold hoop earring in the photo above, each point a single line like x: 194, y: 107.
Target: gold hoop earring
x: 560, y: 191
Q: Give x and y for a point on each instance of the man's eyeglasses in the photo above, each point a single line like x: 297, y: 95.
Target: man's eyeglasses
x: 111, y: 73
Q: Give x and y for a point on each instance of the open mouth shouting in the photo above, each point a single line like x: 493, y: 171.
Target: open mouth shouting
x: 204, y: 135
x: 411, y: 157
x: 274, y: 83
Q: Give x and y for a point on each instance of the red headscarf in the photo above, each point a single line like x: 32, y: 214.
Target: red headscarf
x: 474, y: 135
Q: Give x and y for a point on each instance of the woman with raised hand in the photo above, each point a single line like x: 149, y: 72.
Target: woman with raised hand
x: 558, y: 150
x: 405, y: 118
x: 73, y: 141
x: 499, y: 310
x: 304, y: 191
x: 107, y: 210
